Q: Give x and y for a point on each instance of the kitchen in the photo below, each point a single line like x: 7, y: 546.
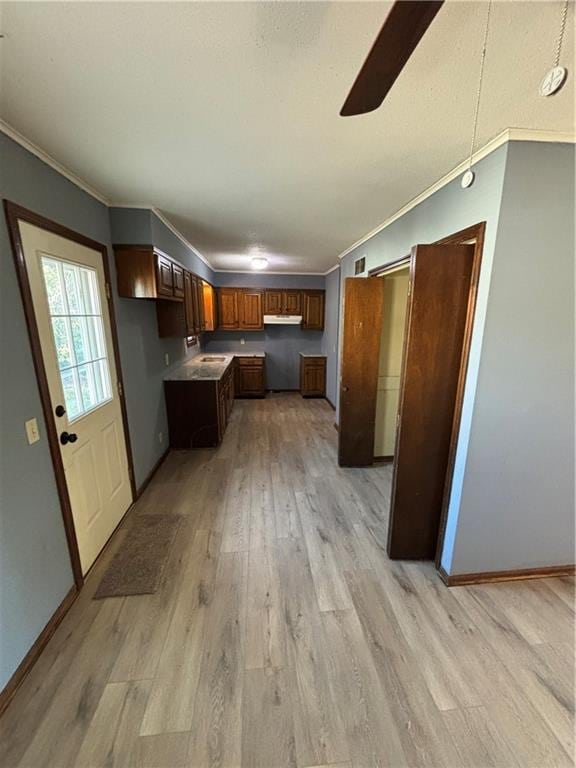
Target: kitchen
x: 243, y: 338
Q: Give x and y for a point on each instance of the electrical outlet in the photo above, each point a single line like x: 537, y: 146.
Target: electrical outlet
x: 32, y: 431
x: 160, y: 437
x: 167, y: 359
x: 242, y: 341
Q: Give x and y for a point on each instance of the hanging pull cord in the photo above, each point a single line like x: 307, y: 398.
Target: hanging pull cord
x: 479, y: 91
x: 561, y: 35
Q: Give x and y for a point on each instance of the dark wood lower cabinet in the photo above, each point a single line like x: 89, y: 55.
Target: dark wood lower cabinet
x: 199, y: 411
x: 250, y: 377
x: 313, y: 376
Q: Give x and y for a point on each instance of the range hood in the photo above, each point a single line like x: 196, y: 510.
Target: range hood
x: 282, y: 319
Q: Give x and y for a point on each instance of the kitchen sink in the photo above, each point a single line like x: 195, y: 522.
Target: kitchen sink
x: 212, y: 359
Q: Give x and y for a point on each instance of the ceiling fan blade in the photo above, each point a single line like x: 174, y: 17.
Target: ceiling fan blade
x: 403, y: 29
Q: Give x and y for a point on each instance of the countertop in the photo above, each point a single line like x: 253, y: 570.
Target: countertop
x: 206, y: 367
x: 312, y: 354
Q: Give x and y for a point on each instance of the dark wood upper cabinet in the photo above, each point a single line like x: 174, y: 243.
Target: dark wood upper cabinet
x: 165, y: 276
x: 200, y: 319
x: 292, y: 302
x: 228, y: 309
x: 313, y: 310
x: 273, y: 302
x: 209, y: 306
x: 189, y: 304
x: 177, y: 281
x: 250, y: 304
x: 143, y: 272
x: 283, y: 302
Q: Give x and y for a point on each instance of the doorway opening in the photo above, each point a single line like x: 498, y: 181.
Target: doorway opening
x: 402, y: 387
x: 396, y: 281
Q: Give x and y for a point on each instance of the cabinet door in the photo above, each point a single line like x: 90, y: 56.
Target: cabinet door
x: 201, y: 315
x: 313, y: 315
x: 189, y: 304
x: 209, y: 307
x: 228, y: 309
x: 251, y: 380
x: 313, y: 378
x: 164, y: 276
x: 292, y: 303
x: 273, y: 303
x: 250, y: 302
x: 178, y: 280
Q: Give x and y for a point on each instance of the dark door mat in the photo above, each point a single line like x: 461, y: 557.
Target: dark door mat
x: 138, y: 565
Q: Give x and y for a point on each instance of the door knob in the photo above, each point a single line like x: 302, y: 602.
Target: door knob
x: 60, y: 410
x: 68, y: 437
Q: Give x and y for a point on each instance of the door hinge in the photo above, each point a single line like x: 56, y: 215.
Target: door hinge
x: 120, y: 389
x: 108, y: 292
x: 409, y: 288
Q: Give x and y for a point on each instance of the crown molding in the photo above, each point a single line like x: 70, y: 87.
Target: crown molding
x: 510, y: 134
x: 328, y: 271
x: 269, y: 272
x: 13, y: 134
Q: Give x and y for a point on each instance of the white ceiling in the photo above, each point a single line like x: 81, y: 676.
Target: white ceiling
x: 225, y: 115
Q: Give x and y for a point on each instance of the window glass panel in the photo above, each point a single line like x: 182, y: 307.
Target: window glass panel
x: 80, y: 340
x: 71, y: 393
x: 78, y: 331
x: 62, y: 340
x: 53, y: 286
x: 96, y: 337
x: 87, y: 387
x: 73, y: 291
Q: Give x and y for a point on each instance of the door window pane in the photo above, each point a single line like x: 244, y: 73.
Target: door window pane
x: 78, y: 332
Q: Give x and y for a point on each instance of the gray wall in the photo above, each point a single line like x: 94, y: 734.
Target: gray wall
x: 517, y: 503
x: 282, y: 344
x: 447, y: 211
x: 512, y: 500
x: 35, y: 572
x: 330, y: 340
x: 142, y: 351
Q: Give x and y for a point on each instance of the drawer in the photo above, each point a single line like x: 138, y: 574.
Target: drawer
x: 313, y: 360
x: 253, y: 361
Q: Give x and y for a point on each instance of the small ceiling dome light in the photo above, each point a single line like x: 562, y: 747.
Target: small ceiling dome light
x: 259, y: 262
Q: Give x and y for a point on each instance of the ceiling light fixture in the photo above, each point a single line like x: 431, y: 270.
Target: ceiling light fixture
x: 259, y: 262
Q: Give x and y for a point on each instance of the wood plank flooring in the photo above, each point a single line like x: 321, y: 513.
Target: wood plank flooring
x: 283, y: 636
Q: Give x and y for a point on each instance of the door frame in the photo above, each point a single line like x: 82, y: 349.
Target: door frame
x: 14, y: 214
x: 475, y: 233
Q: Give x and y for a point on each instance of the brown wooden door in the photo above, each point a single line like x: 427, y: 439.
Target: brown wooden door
x: 363, y: 301
x: 313, y: 311
x: 435, y: 324
x: 189, y: 304
x: 164, y: 276
x: 292, y: 303
x: 228, y: 309
x: 250, y: 309
x: 273, y: 302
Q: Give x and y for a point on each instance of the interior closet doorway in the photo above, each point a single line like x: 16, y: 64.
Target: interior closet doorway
x: 396, y: 282
x: 420, y: 404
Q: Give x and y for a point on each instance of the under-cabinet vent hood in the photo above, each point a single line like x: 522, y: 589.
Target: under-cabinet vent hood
x: 282, y: 319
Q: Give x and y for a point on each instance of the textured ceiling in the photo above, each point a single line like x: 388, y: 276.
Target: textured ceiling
x: 225, y: 115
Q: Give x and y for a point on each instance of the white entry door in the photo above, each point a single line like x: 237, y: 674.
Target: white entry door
x: 68, y: 289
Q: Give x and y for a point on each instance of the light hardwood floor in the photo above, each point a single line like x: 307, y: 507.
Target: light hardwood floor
x: 283, y: 636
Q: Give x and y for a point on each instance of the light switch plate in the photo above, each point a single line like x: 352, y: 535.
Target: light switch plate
x: 167, y: 359
x: 32, y: 431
